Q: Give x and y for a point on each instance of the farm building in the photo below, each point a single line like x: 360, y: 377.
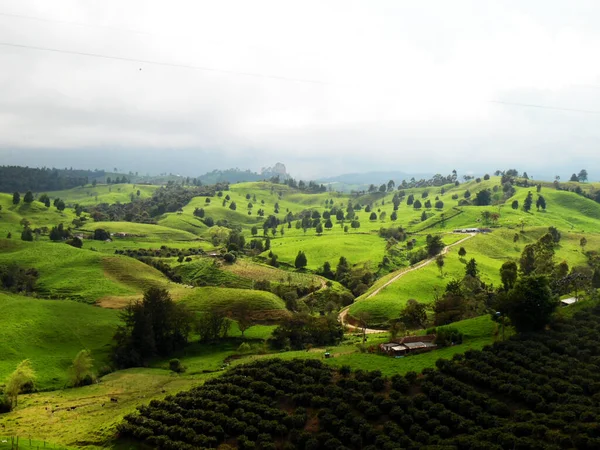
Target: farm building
x: 568, y: 301
x: 472, y: 230
x: 409, y: 345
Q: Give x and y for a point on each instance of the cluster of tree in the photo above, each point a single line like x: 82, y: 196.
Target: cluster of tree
x: 162, y: 252
x: 357, y: 279
x: 154, y: 326
x: 117, y: 180
x: 309, y: 187
x: 462, y: 299
x: 14, y: 278
x: 537, y: 391
x: 300, y: 331
x: 22, y: 179
x: 166, y: 199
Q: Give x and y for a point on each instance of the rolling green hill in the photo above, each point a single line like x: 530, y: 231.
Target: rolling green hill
x: 204, y: 298
x: 51, y: 333
x: 79, y: 274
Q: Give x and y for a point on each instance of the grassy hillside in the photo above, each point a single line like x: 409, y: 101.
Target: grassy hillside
x: 51, y: 333
x: 203, y: 298
x: 490, y: 251
x: 103, y: 193
x: 79, y: 274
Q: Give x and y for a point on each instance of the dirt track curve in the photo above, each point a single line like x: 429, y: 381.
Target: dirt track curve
x: 400, y: 274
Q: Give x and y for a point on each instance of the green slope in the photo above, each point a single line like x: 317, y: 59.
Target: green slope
x: 51, y: 333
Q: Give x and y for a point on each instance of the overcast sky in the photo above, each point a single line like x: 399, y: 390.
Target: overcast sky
x: 330, y: 86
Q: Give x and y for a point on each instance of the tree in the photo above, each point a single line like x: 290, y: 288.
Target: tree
x: 530, y: 303
x: 583, y: 175
x: 47, y: 202
x: 417, y: 204
x: 213, y: 325
x: 373, y: 216
x: 483, y: 197
x: 509, y: 273
x: 300, y: 262
x: 574, y: 178
x: 528, y: 202
x: 410, y: 200
x: 540, y: 203
x: 60, y: 205
x: 515, y: 204
x: 471, y: 268
x: 329, y: 224
x: 319, y: 228
x: 583, y: 243
x: 462, y: 252
x: 414, y: 314
x: 242, y: 313
x: 20, y: 381
x: 254, y: 230
x: 101, y: 234
x: 16, y: 198
x: 28, y: 197
x: 555, y: 234
x: 423, y: 216
x: 363, y: 318
x: 439, y: 204
x: 439, y: 262
x: 355, y: 224
x: 486, y: 177
x: 232, y: 206
x: 75, y: 242
x: 81, y: 369
x: 394, y: 216
x: 27, y: 234
x: 434, y: 245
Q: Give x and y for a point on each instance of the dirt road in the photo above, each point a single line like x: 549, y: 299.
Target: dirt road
x: 399, y: 274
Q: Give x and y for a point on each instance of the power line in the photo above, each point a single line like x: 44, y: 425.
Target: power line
x: 164, y: 64
x: 77, y: 24
x: 554, y: 108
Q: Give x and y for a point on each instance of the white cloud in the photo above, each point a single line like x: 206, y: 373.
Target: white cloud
x: 405, y: 84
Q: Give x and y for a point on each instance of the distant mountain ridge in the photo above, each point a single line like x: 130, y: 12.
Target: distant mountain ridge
x: 349, y: 181
x: 237, y: 175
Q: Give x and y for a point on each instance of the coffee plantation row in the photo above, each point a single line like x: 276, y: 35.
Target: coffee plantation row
x: 535, y: 391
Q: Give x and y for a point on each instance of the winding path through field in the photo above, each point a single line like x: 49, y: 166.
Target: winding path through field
x: 399, y: 274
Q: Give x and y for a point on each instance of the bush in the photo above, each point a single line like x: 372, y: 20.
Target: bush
x: 229, y: 258
x: 176, y: 366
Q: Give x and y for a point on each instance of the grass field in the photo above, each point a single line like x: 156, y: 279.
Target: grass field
x: 51, y: 333
x: 204, y: 298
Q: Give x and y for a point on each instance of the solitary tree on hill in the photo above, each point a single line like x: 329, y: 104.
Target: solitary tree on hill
x: 28, y: 197
x: 528, y: 202
x: 439, y: 262
x: 81, y: 369
x: 515, y: 204
x: 471, y: 268
x: 583, y: 176
x: 462, y: 252
x: 16, y: 198
x: 540, y: 203
x: 301, y: 261
x: 574, y: 177
x: 27, y: 234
